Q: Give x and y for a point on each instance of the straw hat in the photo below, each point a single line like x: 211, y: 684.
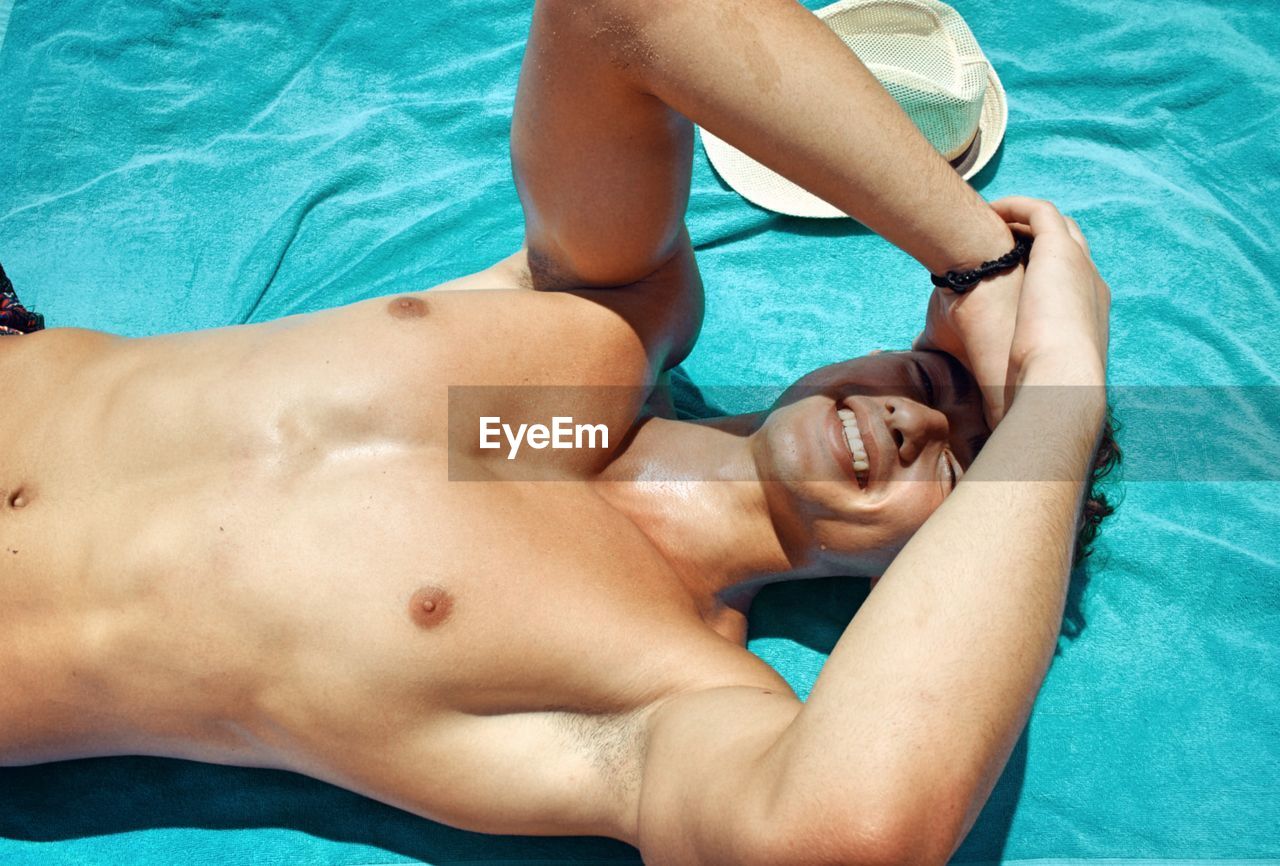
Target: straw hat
x: 926, y: 57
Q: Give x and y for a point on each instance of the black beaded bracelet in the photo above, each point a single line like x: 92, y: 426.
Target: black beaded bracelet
x: 962, y: 281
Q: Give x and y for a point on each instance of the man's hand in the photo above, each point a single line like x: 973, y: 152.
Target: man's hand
x: 977, y: 329
x: 1063, y: 320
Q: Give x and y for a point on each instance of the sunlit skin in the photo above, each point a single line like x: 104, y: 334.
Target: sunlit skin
x: 215, y: 529
x: 250, y: 545
x: 738, y: 502
x: 922, y: 420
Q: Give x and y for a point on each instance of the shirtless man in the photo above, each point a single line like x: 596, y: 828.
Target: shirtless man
x: 243, y: 545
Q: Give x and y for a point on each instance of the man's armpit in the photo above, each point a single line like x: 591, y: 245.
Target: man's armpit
x: 546, y: 274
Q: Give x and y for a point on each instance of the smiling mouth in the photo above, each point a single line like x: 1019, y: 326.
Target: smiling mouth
x: 857, y: 449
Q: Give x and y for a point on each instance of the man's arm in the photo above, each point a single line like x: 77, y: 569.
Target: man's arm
x: 601, y: 146
x: 770, y: 78
x: 919, y: 705
x: 767, y: 76
x: 938, y: 671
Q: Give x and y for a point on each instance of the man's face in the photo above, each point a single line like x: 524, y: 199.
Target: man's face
x: 919, y: 418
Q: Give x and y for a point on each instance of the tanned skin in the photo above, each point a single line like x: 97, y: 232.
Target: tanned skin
x: 244, y: 545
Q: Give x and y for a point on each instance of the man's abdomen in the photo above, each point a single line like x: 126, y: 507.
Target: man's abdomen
x: 150, y: 559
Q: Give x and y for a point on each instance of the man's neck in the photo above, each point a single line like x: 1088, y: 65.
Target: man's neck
x: 694, y: 489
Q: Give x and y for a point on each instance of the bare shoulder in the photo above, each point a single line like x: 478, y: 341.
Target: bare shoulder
x: 707, y: 784
x: 659, y: 314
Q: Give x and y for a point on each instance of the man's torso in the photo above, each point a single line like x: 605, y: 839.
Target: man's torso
x: 216, y: 545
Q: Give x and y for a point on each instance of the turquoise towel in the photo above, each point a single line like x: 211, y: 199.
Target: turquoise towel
x: 166, y: 166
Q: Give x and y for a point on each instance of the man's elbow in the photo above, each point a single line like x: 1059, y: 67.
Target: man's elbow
x: 867, y: 837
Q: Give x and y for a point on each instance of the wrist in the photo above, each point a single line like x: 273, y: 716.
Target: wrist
x: 985, y: 239
x: 961, y: 282
x: 1049, y: 433
x: 1073, y: 384
x: 1062, y: 365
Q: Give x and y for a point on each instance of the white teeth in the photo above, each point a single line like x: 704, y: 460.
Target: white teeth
x: 856, y: 447
x: 853, y: 439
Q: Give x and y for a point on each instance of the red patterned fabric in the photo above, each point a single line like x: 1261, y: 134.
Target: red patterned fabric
x: 15, y: 318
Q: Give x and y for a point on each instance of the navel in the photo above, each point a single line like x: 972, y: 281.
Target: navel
x: 18, y: 498
x: 407, y: 308
x: 430, y: 606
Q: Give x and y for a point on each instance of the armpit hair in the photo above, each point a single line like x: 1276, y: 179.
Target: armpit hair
x: 614, y: 744
x: 546, y: 274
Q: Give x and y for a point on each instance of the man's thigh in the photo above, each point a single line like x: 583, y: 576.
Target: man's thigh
x: 602, y: 167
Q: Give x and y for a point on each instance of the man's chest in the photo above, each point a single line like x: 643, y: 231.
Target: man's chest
x: 476, y: 597
x: 550, y: 629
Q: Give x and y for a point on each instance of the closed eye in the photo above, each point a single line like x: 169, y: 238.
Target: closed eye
x: 926, y: 384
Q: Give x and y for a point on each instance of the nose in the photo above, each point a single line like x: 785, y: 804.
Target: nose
x: 913, y: 426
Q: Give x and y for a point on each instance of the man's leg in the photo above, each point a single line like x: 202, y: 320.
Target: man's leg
x: 602, y: 167
x: 601, y: 149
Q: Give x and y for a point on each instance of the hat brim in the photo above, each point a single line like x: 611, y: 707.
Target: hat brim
x: 768, y: 189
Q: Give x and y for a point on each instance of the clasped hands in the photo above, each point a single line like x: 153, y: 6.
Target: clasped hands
x: 1054, y: 309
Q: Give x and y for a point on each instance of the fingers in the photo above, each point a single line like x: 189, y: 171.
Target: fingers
x: 1078, y: 236
x: 1041, y: 216
x: 990, y: 371
x: 1037, y: 217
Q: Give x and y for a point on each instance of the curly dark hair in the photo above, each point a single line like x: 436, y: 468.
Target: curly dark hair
x: 1097, y: 505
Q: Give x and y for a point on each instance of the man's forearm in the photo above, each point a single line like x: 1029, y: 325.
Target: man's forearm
x: 924, y: 696
x: 771, y: 79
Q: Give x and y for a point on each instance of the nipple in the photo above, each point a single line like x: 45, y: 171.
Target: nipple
x: 407, y: 308
x: 430, y: 606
